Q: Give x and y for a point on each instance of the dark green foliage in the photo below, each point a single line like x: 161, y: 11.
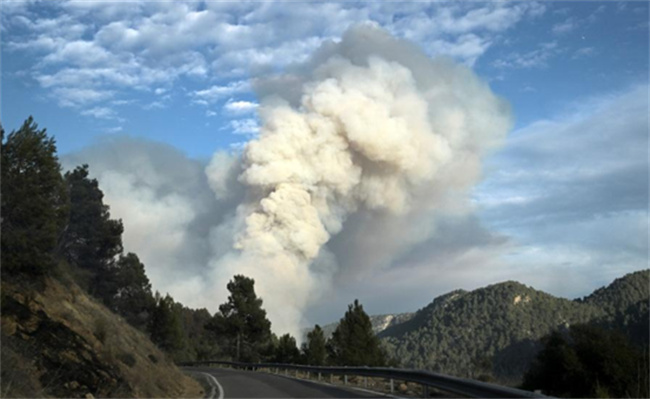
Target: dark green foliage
x: 91, y: 240
x: 495, y: 332
x: 635, y: 323
x: 241, y: 323
x: 621, y: 293
x: 34, y: 201
x: 132, y: 297
x: 314, y: 349
x: 286, y: 350
x: 589, y: 362
x: 200, y: 343
x: 165, y: 326
x: 501, y: 322
x: 354, y: 343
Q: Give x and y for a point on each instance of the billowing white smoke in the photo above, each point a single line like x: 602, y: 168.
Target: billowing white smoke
x: 364, y: 159
x: 369, y: 124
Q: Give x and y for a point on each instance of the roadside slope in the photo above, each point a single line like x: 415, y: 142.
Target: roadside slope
x: 58, y: 341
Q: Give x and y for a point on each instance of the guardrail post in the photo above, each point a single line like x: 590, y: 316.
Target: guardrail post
x: 308, y: 374
x: 286, y: 372
x: 319, y: 376
x: 425, y: 391
x: 392, y: 386
x: 365, y: 381
x: 331, y: 378
x: 345, y: 379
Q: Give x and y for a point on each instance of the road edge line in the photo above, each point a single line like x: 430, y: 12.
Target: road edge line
x: 217, y: 385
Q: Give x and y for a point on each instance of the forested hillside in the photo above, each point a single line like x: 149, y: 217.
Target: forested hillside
x: 494, y: 332
x: 621, y: 293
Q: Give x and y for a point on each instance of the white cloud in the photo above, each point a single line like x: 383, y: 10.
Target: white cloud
x: 154, y: 105
x: 218, y: 92
x: 584, y: 52
x: 115, y: 129
x: 537, y: 58
x: 79, y: 53
x: 247, y: 126
x: 239, y: 107
x: 117, y: 47
x: 564, y: 27
x: 100, y: 113
x: 467, y: 47
x: 77, y: 97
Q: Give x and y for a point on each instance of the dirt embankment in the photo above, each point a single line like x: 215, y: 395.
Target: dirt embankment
x: 58, y: 341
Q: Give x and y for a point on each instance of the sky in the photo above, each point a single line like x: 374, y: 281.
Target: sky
x: 147, y: 93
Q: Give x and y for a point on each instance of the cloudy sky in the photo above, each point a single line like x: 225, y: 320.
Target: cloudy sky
x: 147, y: 92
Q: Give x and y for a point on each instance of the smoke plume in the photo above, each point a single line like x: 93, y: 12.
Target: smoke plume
x: 361, y: 151
x: 371, y: 125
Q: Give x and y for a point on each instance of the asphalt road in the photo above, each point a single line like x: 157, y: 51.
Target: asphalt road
x: 249, y: 384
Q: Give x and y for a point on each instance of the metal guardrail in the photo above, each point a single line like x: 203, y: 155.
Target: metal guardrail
x: 460, y: 386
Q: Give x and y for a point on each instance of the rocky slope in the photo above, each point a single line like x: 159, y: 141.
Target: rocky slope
x: 57, y: 341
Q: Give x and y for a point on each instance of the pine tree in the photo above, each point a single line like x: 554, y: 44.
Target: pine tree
x: 132, y: 298
x: 91, y: 239
x: 34, y: 201
x: 315, y: 348
x: 242, y: 323
x: 287, y: 352
x: 165, y: 325
x: 353, y: 343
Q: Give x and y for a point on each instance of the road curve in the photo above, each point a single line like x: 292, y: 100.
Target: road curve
x: 251, y: 384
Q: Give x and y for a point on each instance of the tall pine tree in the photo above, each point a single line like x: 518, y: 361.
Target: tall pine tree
x: 91, y: 239
x: 241, y: 322
x: 165, y: 326
x: 34, y: 201
x: 353, y: 343
x: 287, y: 351
x: 315, y: 348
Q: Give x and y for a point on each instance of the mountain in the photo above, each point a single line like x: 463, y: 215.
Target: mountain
x: 379, y: 323
x: 58, y: 341
x: 495, y: 331
x: 621, y: 293
x: 625, y: 302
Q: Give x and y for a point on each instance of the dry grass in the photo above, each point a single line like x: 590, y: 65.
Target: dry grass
x: 123, y: 361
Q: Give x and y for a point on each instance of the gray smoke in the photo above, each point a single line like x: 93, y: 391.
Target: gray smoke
x: 361, y: 150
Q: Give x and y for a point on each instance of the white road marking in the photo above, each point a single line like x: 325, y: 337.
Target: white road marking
x: 214, y: 383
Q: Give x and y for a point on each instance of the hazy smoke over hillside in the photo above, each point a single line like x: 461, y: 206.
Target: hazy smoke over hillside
x: 360, y: 151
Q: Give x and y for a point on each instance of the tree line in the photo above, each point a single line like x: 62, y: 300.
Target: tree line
x: 57, y: 225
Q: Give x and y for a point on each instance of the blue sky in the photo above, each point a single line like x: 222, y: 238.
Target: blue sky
x: 567, y: 192
x: 74, y: 66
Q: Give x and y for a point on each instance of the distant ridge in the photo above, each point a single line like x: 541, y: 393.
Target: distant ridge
x: 494, y: 331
